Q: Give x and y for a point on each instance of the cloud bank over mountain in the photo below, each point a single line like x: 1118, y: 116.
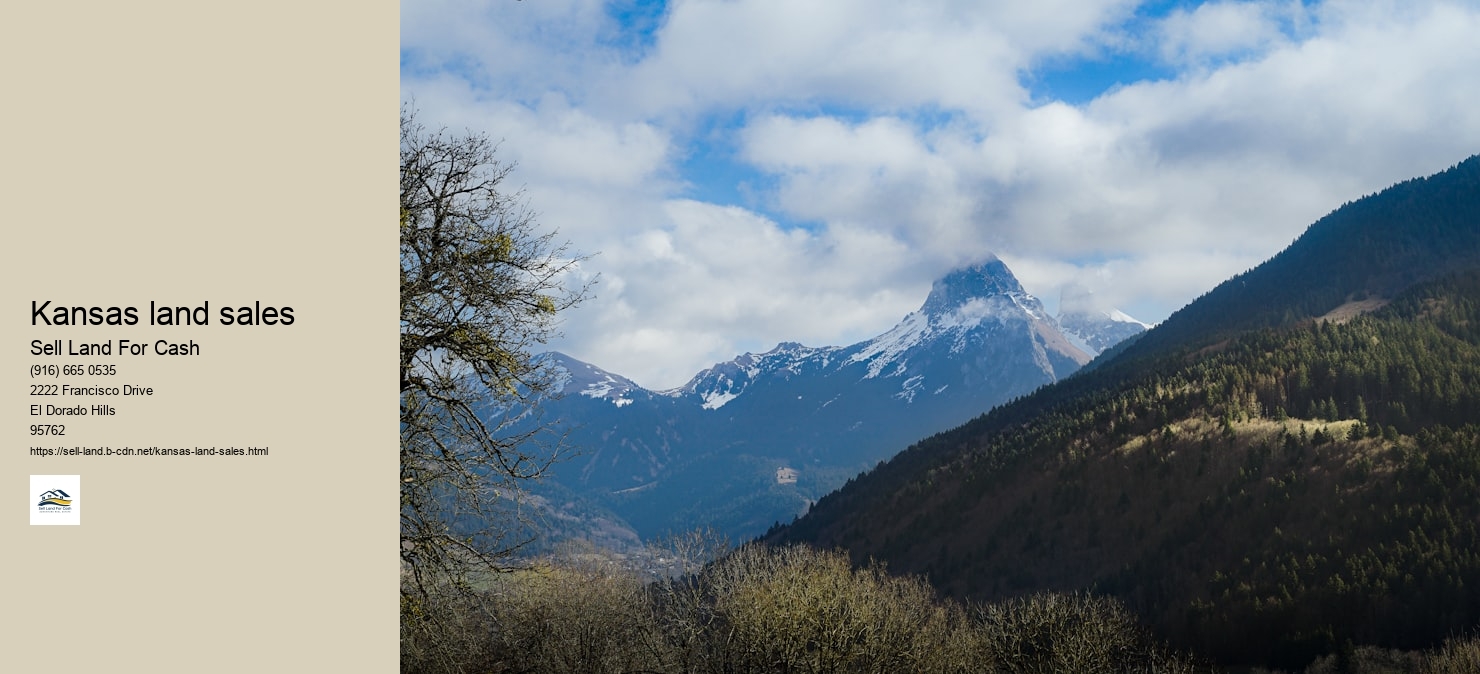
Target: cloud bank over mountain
x: 757, y: 170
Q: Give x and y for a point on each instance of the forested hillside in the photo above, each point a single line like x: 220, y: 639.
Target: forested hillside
x: 1372, y: 248
x: 1260, y: 484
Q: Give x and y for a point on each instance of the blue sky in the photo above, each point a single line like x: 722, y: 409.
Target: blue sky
x: 752, y: 171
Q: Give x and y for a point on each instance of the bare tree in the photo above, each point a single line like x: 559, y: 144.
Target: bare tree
x: 481, y: 288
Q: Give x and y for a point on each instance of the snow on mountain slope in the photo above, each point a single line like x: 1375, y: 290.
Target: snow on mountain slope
x: 725, y: 381
x: 967, y: 309
x: 575, y: 376
x: 1091, y: 325
x: 963, y: 310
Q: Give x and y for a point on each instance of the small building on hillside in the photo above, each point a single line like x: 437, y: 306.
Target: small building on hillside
x: 786, y: 475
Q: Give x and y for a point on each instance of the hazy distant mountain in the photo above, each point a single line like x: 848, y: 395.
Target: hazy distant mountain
x: 1265, y: 475
x: 754, y: 440
x: 1092, y: 326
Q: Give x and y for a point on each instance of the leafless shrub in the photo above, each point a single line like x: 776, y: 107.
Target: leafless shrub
x: 586, y: 615
x: 1456, y: 656
x: 793, y: 610
x: 1051, y: 632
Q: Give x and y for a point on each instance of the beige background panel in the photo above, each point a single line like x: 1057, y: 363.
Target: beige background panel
x: 185, y: 153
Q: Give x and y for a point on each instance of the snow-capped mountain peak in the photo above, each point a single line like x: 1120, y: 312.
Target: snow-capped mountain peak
x: 959, y: 305
x: 725, y: 381
x: 588, y: 380
x: 1092, y: 325
x: 989, y: 278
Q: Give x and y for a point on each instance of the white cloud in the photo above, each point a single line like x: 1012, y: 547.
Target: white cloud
x: 901, y: 136
x: 784, y: 144
x: 873, y: 53
x: 515, y: 51
x: 712, y: 281
x: 1218, y: 30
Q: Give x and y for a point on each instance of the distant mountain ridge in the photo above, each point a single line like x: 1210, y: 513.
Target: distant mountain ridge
x: 1092, y: 326
x: 707, y: 453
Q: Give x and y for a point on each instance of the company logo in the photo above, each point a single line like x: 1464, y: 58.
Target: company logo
x: 56, y: 499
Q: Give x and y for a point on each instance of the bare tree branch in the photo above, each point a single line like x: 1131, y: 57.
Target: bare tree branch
x: 481, y: 288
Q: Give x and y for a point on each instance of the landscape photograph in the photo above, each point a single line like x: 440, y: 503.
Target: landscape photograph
x: 1069, y: 336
